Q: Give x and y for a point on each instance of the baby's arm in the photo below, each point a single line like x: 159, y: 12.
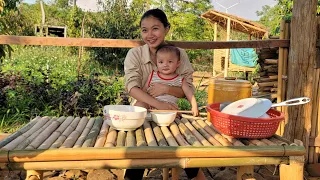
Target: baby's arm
x: 190, y: 96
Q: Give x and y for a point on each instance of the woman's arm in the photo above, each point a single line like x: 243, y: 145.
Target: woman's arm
x: 158, y: 89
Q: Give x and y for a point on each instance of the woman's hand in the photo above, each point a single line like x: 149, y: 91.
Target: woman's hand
x: 166, y: 106
x: 157, y: 89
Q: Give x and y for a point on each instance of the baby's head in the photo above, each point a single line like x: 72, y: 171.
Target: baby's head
x: 168, y: 59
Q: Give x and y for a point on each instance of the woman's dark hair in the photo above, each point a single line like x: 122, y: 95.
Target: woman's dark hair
x: 157, y: 13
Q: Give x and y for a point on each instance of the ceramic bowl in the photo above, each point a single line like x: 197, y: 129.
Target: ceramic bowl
x: 163, y: 118
x: 124, y: 117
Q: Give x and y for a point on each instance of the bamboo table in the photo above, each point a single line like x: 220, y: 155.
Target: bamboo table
x: 81, y: 143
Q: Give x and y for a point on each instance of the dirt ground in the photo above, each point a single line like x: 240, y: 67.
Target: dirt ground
x: 221, y: 173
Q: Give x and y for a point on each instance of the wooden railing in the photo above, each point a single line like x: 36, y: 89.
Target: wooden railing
x: 124, y: 43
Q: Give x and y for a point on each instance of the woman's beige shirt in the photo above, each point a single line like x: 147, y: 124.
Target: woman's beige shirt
x: 138, y: 66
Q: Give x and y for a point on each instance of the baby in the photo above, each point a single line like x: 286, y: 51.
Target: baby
x: 168, y: 60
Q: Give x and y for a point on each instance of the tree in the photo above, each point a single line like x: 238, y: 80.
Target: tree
x: 272, y: 16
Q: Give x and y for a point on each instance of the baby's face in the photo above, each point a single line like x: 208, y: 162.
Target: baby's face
x: 167, y: 62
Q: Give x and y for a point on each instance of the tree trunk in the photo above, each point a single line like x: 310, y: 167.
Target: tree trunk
x: 301, y: 69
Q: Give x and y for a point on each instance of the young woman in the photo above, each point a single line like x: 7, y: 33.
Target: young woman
x: 138, y: 65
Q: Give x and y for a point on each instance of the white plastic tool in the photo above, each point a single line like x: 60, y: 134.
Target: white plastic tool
x: 257, y: 107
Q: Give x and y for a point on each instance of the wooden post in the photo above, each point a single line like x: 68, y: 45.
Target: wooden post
x: 302, y: 59
x: 175, y: 173
x: 215, y: 35
x: 245, y: 171
x: 226, y: 60
x: 280, y: 73
x: 293, y: 171
x: 34, y: 175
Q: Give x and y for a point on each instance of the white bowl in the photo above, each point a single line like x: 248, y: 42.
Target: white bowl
x: 163, y: 118
x: 124, y: 117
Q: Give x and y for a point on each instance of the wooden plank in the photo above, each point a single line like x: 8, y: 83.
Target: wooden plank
x: 128, y: 43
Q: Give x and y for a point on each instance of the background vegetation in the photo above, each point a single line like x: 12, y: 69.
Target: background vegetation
x: 38, y: 81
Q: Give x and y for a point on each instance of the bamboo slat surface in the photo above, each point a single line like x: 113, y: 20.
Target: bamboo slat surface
x: 76, y: 132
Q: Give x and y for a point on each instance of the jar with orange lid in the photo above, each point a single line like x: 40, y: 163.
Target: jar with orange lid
x: 226, y: 90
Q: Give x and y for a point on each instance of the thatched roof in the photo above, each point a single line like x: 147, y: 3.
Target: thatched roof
x: 237, y: 23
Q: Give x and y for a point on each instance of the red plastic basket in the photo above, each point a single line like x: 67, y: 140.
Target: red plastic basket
x: 243, y: 127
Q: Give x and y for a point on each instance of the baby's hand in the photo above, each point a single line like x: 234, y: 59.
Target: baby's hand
x: 195, y: 111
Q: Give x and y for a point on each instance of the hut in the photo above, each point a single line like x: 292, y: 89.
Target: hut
x: 224, y: 23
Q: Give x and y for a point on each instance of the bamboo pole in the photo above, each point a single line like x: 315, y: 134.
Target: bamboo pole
x: 53, y: 137
x: 65, y: 133
x: 141, y: 140
x: 94, y: 132
x: 158, y: 134
x: 314, y: 115
x: 270, y: 61
x: 317, y: 150
x: 247, y: 142
x: 204, y: 133
x: 268, y: 142
x: 280, y: 96
x: 11, y: 145
x: 176, y: 133
x: 257, y: 142
x: 282, y: 139
x: 21, y: 131
x: 147, y: 163
x: 101, y: 139
x: 130, y: 140
x: 121, y: 139
x: 27, y: 141
x: 111, y: 138
x: 232, y: 140
x: 70, y: 154
x: 72, y: 138
x: 187, y: 134
x: 277, y: 141
x: 167, y: 134
x: 213, y: 133
x: 84, y: 134
x: 195, y: 132
x: 151, y: 140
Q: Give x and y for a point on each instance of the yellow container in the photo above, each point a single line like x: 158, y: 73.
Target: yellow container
x: 222, y: 90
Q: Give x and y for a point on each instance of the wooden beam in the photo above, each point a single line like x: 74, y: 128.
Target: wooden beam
x: 226, y: 59
x: 125, y: 43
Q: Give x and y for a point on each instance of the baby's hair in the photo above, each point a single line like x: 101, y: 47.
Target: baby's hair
x: 169, y: 48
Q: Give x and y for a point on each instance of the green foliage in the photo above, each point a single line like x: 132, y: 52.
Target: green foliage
x: 272, y: 16
x: 115, y: 22
x: 75, y: 22
x: 43, y: 81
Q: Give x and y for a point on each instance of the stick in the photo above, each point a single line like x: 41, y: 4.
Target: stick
x: 141, y: 140
x: 84, y: 134
x: 204, y: 133
x: 151, y: 140
x: 65, y: 133
x: 101, y: 139
x: 195, y: 132
x: 187, y: 134
x: 111, y: 138
x: 176, y: 133
x: 53, y: 137
x: 72, y: 138
x: 170, y: 139
x: 92, y: 136
x: 130, y: 140
x: 11, y: 145
x: 19, y: 132
x: 158, y: 134
x: 121, y: 139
